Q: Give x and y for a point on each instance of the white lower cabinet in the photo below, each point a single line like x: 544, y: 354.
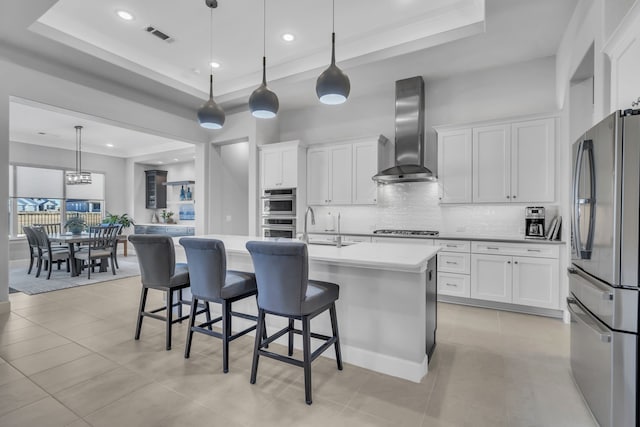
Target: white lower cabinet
x: 491, y: 277
x: 536, y: 282
x: 527, y: 281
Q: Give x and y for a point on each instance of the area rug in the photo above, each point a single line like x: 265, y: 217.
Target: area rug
x: 29, y: 284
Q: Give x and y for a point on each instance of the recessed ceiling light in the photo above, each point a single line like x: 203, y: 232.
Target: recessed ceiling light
x: 110, y: 145
x: 215, y: 65
x: 159, y: 162
x: 176, y: 160
x: 124, y: 15
x: 288, y: 37
x: 42, y: 133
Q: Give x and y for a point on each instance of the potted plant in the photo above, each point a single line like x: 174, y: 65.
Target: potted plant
x: 113, y: 219
x: 75, y: 224
x: 167, y: 216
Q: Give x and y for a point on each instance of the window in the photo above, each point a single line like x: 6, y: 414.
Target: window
x: 40, y: 196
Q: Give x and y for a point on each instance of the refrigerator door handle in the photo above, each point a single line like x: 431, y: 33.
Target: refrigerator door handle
x: 605, y: 293
x: 589, y: 321
x: 583, y: 251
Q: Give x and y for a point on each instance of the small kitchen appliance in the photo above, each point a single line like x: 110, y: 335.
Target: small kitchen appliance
x: 534, y: 222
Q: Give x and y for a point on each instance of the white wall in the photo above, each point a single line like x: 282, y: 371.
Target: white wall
x: 4, y: 192
x: 235, y: 187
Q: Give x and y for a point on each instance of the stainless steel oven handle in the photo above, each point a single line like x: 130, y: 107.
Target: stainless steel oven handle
x: 606, y: 293
x: 589, y: 321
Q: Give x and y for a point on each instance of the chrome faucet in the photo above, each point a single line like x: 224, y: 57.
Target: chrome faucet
x: 305, y: 235
x: 339, y: 236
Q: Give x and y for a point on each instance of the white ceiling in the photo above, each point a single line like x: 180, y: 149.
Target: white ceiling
x: 41, y: 125
x: 378, y: 42
x: 363, y: 28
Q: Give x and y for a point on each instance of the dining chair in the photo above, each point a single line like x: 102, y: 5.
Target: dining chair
x: 101, y: 247
x: 48, y: 255
x: 159, y: 270
x: 34, y: 250
x: 50, y: 228
x: 212, y: 282
x: 284, y: 290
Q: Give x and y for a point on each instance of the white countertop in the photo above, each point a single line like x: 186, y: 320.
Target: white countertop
x: 382, y: 256
x: 444, y: 236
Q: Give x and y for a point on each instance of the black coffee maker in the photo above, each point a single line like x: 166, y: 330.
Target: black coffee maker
x: 534, y: 222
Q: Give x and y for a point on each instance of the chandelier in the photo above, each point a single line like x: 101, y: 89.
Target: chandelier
x: 78, y: 176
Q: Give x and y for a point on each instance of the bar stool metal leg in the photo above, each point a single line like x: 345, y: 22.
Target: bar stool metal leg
x: 192, y: 320
x: 290, y: 337
x: 226, y: 333
x: 306, y: 351
x: 169, y: 317
x: 143, y: 302
x: 334, y: 330
x: 257, y: 346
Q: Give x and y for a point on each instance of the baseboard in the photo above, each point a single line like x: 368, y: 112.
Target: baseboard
x: 558, y: 314
x: 5, y: 307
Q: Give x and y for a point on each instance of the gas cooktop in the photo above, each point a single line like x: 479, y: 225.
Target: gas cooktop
x: 407, y: 232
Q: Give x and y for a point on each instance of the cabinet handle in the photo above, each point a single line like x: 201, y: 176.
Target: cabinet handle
x: 451, y: 284
x: 533, y: 250
x: 493, y: 248
x: 508, y: 262
x: 451, y: 246
x: 452, y: 262
x: 508, y: 197
x: 514, y: 196
x: 515, y: 262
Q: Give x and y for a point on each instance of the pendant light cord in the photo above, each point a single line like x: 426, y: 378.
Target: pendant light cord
x: 333, y: 19
x: 264, y: 42
x: 333, y: 33
x: 210, y: 53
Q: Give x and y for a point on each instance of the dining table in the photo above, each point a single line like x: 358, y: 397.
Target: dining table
x: 72, y: 241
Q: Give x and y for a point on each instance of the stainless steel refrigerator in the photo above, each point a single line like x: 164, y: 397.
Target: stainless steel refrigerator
x: 604, y: 275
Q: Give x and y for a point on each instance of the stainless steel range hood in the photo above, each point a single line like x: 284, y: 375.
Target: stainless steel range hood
x: 409, y: 145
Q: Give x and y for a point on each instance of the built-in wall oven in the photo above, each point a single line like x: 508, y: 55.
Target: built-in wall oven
x: 279, y: 213
x: 279, y: 202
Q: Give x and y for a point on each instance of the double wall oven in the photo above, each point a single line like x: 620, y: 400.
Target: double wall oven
x: 604, y: 276
x: 279, y: 213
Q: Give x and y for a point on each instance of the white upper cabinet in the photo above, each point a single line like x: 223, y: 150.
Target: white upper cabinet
x: 329, y: 175
x: 279, y: 165
x: 533, y: 161
x: 317, y: 176
x: 499, y: 163
x: 492, y: 164
x: 365, y: 166
x: 454, y: 166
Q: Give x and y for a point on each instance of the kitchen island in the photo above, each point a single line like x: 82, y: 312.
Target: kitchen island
x: 387, y: 305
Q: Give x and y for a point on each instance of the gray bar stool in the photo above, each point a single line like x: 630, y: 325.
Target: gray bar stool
x: 284, y: 289
x: 158, y: 270
x: 212, y: 282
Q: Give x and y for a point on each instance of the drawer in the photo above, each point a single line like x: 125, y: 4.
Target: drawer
x: 454, y: 245
x: 409, y: 240
x: 453, y: 262
x: 457, y: 285
x: 517, y: 249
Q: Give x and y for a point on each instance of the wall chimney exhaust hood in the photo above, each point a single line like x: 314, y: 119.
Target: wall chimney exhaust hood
x: 409, y: 146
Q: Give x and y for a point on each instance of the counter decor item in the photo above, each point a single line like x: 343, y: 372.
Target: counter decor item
x: 154, y: 218
x: 167, y: 216
x: 182, y: 193
x: 75, y: 224
x: 188, y: 196
x: 113, y: 219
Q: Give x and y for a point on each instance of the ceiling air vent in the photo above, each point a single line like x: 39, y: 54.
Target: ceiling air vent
x: 159, y: 34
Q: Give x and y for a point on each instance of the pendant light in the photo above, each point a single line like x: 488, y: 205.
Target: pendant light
x: 78, y: 176
x: 211, y: 115
x: 263, y: 103
x: 333, y: 85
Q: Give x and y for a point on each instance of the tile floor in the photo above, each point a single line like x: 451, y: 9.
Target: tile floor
x: 68, y: 358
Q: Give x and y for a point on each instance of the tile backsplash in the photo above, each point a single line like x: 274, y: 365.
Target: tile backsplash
x: 415, y: 206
